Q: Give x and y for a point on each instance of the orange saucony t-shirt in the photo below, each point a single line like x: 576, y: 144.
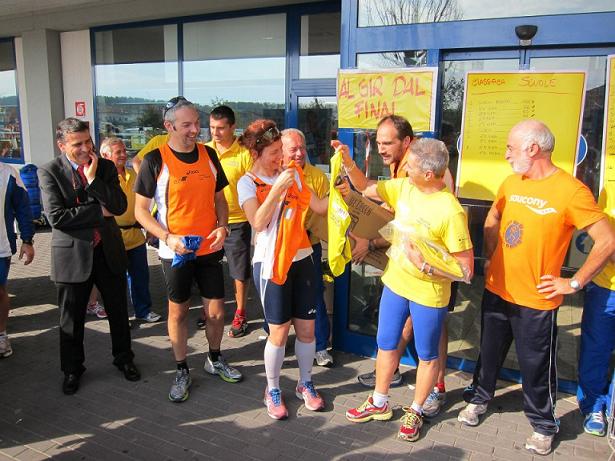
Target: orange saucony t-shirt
x: 538, y: 218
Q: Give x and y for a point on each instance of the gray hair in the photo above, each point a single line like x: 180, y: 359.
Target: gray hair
x: 432, y: 155
x: 70, y: 125
x: 169, y: 114
x: 535, y: 132
x: 289, y: 131
x: 108, y: 143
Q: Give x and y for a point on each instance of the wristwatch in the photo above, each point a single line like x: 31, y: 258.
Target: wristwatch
x: 27, y: 242
x: 574, y: 284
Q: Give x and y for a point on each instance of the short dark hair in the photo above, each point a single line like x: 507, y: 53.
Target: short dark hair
x: 220, y: 112
x: 70, y: 125
x: 400, y: 123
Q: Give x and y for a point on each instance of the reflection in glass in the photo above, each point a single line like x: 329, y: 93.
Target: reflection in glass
x: 136, y: 74
x: 243, y: 66
x: 407, y: 58
x: 589, y: 169
x: 10, y: 128
x: 318, y: 122
x: 391, y: 12
x: 320, y: 45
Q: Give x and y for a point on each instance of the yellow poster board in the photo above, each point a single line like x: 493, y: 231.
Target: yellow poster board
x: 495, y: 102
x: 608, y: 137
x: 363, y: 98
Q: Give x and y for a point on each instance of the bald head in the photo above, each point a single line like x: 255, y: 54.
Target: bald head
x: 532, y: 131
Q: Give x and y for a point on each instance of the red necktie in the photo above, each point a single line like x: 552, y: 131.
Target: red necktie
x: 84, y: 182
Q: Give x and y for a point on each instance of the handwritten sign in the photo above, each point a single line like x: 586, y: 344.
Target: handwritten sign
x: 495, y: 102
x: 608, y: 137
x: 363, y: 98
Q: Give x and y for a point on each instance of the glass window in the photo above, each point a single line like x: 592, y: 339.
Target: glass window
x: 240, y: 62
x: 136, y: 72
x: 318, y: 121
x: 407, y: 58
x: 10, y: 127
x: 320, y: 45
x: 391, y: 12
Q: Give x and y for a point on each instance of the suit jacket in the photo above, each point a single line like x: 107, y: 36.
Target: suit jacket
x: 73, y: 223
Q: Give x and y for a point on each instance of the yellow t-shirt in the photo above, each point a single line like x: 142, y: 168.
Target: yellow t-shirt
x: 236, y: 161
x: 318, y: 182
x: 132, y: 237
x: 438, y: 217
x: 538, y: 217
x: 154, y: 143
x: 606, y: 202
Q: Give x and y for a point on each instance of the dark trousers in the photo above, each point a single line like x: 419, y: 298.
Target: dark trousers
x: 73, y: 301
x: 535, y: 335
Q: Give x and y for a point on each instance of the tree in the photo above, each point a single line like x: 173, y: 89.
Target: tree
x: 152, y: 117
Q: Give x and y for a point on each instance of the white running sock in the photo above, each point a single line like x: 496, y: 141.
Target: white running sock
x: 379, y: 399
x: 305, y: 353
x: 274, y: 357
x: 416, y: 407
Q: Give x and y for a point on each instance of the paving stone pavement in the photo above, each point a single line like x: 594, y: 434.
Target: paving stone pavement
x: 111, y: 418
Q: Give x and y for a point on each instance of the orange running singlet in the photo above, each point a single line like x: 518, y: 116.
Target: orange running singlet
x: 190, y: 196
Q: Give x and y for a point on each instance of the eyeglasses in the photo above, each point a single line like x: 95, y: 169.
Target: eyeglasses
x: 270, y: 135
x: 172, y: 103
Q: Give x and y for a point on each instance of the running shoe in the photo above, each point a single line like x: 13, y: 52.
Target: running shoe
x: 223, y: 369
x: 323, y: 358
x: 539, y: 444
x: 180, y: 390
x: 369, y: 379
x: 238, y: 327
x: 97, y: 310
x: 594, y: 423
x: 275, y: 404
x: 312, y: 399
x: 411, y: 424
x: 368, y: 411
x: 201, y: 323
x: 5, y: 347
x: 470, y: 414
x: 434, y: 403
x: 151, y: 317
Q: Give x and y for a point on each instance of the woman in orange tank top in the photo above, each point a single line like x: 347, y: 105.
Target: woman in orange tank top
x: 276, y: 201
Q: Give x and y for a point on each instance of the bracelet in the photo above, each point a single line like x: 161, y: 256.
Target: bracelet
x: 423, y: 266
x: 166, y: 237
x: 430, y: 271
x: 352, y: 167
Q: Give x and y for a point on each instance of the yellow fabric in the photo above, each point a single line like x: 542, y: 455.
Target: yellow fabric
x: 236, y: 161
x: 152, y: 144
x: 338, y: 220
x: 437, y: 217
x: 318, y: 182
x: 606, y: 202
x: 132, y: 237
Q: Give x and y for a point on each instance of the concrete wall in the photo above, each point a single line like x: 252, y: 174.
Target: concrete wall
x: 42, y: 102
x: 77, y: 74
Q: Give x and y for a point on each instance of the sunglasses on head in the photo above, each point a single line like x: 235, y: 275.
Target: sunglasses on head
x: 271, y: 134
x: 172, y: 103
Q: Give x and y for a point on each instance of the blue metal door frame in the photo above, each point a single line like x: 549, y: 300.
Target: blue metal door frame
x: 589, y: 34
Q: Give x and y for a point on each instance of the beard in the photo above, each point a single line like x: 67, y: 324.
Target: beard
x: 521, y: 166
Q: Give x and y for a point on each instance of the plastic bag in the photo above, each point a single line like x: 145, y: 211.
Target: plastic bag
x: 401, y: 236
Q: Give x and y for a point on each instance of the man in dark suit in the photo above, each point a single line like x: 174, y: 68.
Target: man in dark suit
x: 81, y: 194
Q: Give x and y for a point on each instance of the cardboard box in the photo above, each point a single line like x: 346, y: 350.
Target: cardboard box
x: 367, y: 217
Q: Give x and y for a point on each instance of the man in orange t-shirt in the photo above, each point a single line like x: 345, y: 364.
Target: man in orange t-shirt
x: 527, y: 233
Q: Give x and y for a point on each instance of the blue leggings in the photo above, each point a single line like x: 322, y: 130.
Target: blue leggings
x: 427, y: 324
x: 597, y: 344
